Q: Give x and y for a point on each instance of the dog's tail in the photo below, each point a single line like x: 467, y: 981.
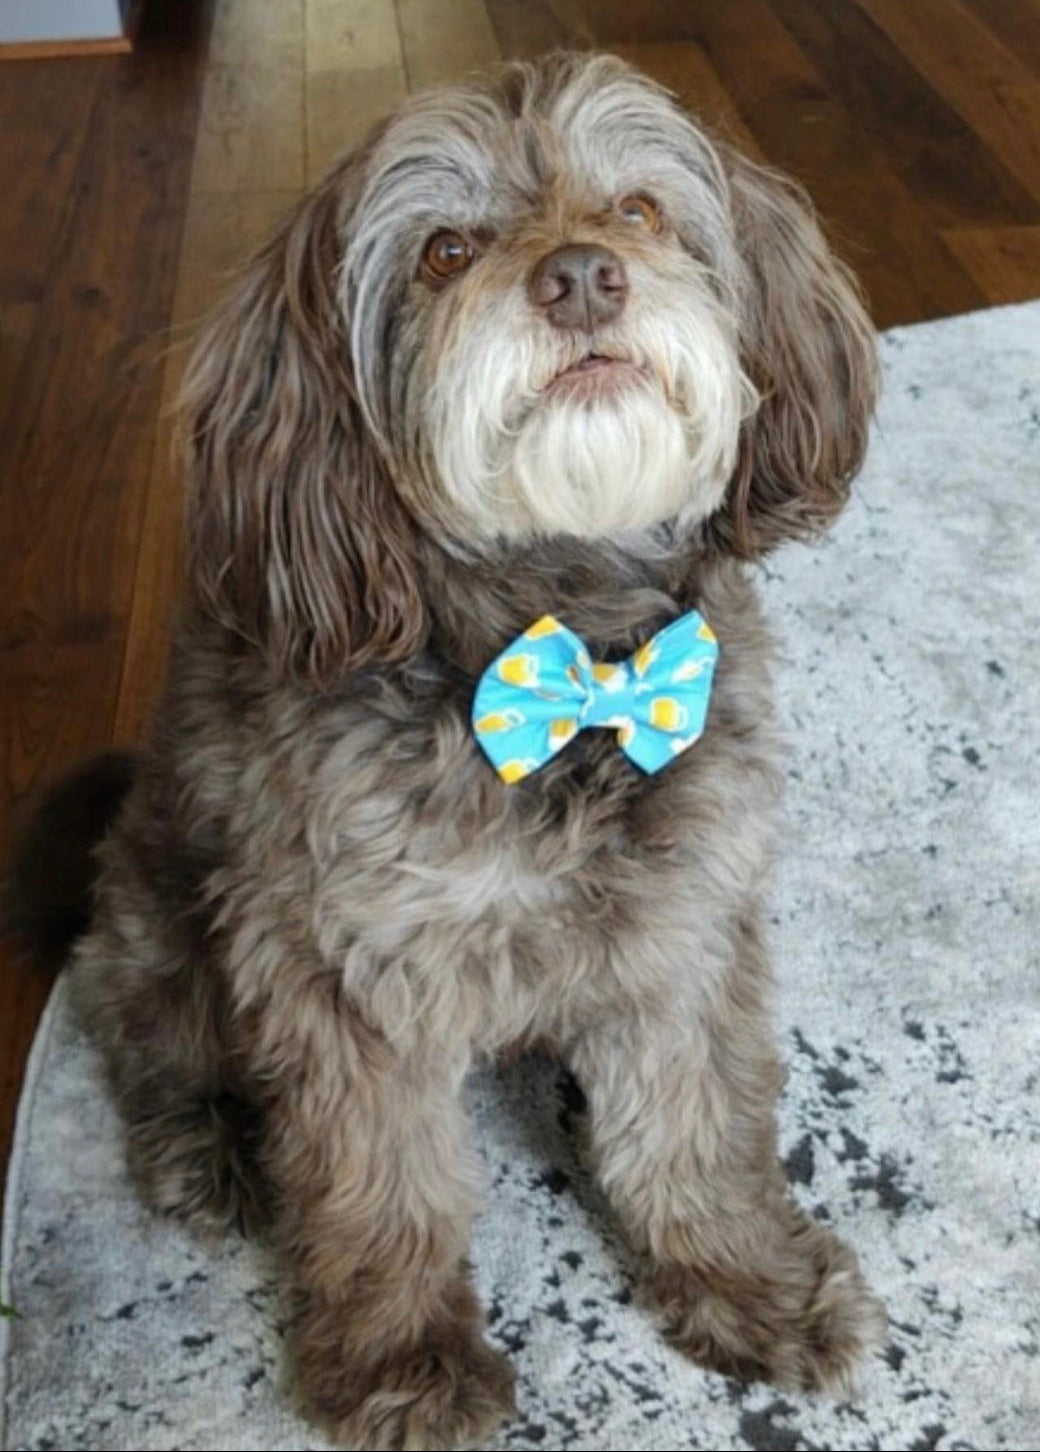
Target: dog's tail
x: 48, y: 896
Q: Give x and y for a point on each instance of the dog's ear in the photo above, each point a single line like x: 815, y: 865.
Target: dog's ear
x: 808, y: 348
x: 299, y: 541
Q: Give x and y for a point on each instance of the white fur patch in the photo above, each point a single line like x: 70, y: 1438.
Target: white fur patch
x: 516, y: 461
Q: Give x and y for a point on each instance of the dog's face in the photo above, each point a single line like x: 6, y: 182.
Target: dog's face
x: 553, y: 270
x: 547, y: 304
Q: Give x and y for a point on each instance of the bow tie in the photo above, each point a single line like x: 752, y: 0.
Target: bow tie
x: 544, y: 688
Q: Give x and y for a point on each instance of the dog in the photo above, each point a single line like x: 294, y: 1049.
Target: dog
x: 540, y: 361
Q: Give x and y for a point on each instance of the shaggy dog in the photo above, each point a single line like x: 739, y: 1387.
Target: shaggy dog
x: 539, y: 345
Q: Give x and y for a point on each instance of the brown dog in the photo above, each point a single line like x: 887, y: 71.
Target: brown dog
x: 539, y: 345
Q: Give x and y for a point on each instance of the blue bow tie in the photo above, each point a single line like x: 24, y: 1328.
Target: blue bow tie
x: 544, y: 688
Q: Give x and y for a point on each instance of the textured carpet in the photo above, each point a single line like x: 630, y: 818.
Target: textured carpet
x: 906, y: 930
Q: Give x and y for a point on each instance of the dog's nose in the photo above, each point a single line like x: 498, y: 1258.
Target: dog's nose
x: 582, y: 286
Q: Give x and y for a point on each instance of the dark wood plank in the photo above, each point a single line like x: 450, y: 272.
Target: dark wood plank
x: 924, y: 140
x: 44, y: 122
x: 876, y: 220
x: 17, y: 325
x: 995, y: 93
x: 526, y: 28
x: 685, y: 70
x: 1004, y: 261
x: 624, y: 22
x: 80, y: 430
x: 1015, y: 23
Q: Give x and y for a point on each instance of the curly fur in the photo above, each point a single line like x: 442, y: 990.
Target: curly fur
x: 319, y: 904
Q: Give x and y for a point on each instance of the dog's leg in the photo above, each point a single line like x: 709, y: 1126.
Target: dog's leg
x: 368, y: 1153
x: 143, y: 982
x: 682, y: 1108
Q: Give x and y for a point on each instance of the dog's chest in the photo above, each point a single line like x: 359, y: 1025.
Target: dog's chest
x: 575, y: 894
x: 548, y: 855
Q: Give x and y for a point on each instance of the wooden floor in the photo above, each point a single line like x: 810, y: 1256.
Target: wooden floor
x: 132, y: 185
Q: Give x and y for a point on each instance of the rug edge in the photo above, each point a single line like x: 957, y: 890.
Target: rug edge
x: 13, y: 1181
x: 1022, y: 306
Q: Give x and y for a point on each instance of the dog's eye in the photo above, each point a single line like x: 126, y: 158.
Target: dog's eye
x: 642, y: 211
x: 446, y: 255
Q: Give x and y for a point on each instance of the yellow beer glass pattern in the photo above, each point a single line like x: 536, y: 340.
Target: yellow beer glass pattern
x: 644, y: 658
x: 519, y: 670
x: 548, y: 625
x: 500, y: 720
x: 562, y: 731
x: 610, y: 677
x: 516, y: 770
x: 668, y: 714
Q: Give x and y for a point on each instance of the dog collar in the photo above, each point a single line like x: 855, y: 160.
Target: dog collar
x: 544, y: 688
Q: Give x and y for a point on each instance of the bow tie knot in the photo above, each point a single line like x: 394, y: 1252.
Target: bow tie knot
x: 545, y: 688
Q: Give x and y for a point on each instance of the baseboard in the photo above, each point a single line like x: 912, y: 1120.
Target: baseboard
x: 43, y: 49
x: 101, y: 45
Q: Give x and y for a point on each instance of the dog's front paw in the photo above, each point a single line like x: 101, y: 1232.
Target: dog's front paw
x: 804, y: 1317
x: 450, y: 1390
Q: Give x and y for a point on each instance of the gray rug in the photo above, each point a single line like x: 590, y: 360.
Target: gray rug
x: 906, y: 930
